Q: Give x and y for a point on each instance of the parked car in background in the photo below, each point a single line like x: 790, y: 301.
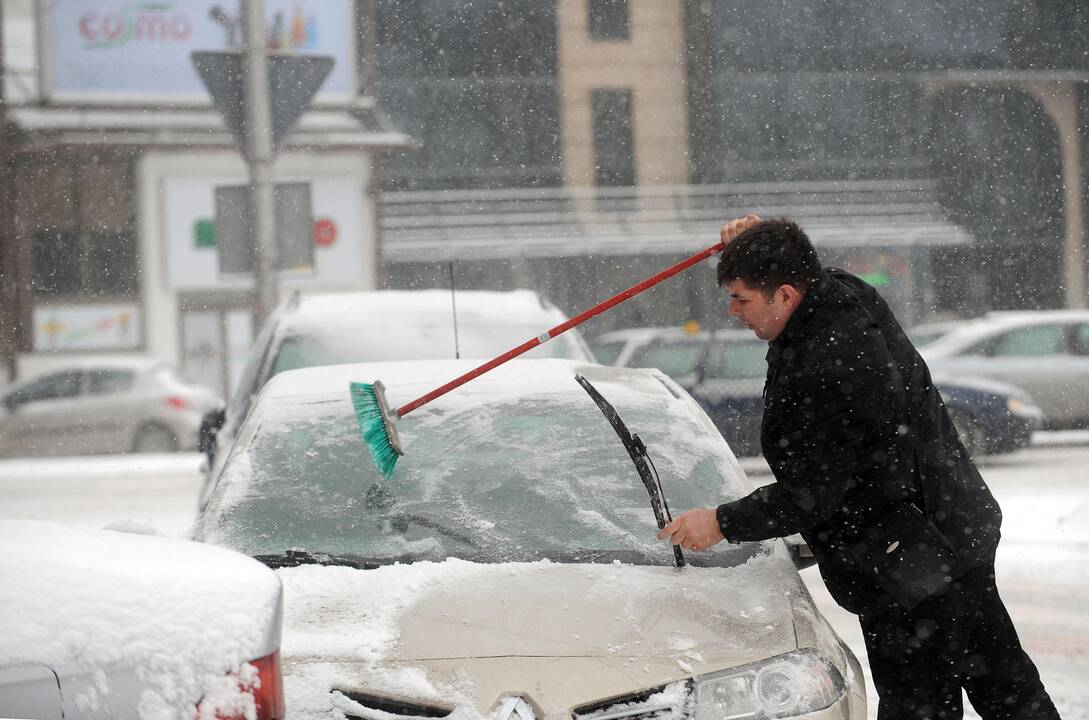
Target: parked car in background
x: 102, y: 624
x: 510, y: 562
x: 926, y: 333
x: 100, y: 405
x: 334, y: 328
x: 1044, y: 352
x: 725, y: 372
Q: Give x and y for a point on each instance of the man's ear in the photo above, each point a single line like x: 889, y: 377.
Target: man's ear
x: 791, y: 296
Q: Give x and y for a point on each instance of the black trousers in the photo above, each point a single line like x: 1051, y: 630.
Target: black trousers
x: 962, y: 638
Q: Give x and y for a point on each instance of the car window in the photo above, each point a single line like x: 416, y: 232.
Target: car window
x: 105, y: 382
x: 50, y: 387
x: 525, y: 479
x: 1081, y: 339
x: 607, y: 353
x: 738, y: 360
x: 1031, y: 341
x: 676, y: 358
x: 313, y: 349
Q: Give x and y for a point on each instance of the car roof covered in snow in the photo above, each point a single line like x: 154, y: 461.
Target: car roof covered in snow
x: 424, y: 305
x: 971, y: 331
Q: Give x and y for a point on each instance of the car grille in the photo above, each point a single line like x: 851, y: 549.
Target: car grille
x: 644, y: 705
x: 400, y: 708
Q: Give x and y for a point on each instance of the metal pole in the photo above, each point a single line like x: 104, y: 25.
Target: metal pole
x: 10, y: 296
x: 259, y: 156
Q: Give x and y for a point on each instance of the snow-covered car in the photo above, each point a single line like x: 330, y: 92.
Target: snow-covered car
x: 103, y: 624
x: 103, y: 405
x: 1045, y: 352
x: 510, y: 564
x: 725, y: 372
x: 348, y: 327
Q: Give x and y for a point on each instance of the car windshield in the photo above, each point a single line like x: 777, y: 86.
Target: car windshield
x: 530, y: 479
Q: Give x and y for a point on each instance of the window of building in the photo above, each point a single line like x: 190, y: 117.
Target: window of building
x: 613, y: 139
x: 83, y: 263
x: 609, y: 19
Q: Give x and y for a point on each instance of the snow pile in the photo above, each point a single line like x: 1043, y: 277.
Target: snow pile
x: 182, y: 615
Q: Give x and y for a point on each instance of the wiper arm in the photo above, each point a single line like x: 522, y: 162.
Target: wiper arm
x: 643, y: 464
x: 401, y: 521
x: 296, y: 557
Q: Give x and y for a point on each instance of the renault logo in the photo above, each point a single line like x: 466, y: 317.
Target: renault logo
x: 514, y: 708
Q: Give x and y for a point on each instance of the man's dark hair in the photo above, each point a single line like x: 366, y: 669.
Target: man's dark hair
x: 769, y: 254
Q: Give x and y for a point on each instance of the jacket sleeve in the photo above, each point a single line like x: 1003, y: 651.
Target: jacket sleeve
x: 831, y: 416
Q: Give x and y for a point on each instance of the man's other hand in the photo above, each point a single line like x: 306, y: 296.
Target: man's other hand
x: 737, y: 226
x: 694, y: 530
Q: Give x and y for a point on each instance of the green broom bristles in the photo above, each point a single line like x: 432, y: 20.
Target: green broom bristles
x: 376, y: 424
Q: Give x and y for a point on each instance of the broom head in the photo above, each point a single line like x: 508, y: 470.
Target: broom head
x: 376, y: 423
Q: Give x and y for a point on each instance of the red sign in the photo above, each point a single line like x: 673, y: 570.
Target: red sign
x: 325, y: 232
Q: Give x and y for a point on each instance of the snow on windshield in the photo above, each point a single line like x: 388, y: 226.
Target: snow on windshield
x: 540, y: 476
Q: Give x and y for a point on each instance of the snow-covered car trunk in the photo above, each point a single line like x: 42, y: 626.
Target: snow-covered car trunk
x: 103, y: 624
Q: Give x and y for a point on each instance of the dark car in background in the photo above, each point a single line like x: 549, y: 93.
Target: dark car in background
x: 725, y: 370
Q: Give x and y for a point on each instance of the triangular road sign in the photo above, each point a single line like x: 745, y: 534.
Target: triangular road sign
x: 293, y: 81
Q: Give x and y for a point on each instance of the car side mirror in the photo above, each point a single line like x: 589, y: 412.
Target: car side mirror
x: 800, y: 552
x: 209, y: 425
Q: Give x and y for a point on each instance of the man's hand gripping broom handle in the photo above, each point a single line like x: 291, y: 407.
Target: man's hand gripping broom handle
x: 562, y: 328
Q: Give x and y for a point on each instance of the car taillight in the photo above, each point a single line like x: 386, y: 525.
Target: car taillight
x: 264, y: 683
x: 269, y: 693
x: 178, y: 403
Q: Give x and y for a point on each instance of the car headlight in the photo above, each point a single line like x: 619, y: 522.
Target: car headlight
x: 793, y: 684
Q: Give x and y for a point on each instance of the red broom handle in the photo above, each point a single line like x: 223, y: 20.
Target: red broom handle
x: 561, y: 328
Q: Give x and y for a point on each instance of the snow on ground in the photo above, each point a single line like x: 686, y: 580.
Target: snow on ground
x: 1043, y: 560
x: 151, y: 493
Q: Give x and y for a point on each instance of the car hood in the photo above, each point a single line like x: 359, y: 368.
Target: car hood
x: 561, y: 635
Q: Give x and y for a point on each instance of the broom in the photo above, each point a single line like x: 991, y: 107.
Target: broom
x: 376, y: 417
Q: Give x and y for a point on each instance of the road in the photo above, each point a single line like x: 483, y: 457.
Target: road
x: 1042, y: 565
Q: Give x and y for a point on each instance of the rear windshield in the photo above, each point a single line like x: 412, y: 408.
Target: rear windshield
x: 311, y: 350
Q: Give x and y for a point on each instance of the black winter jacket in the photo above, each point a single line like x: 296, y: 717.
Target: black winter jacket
x: 852, y: 427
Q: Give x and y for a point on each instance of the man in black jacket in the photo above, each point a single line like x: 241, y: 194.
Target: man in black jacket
x: 870, y: 470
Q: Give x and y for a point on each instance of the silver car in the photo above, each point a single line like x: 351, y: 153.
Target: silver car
x: 101, y: 624
x: 1045, y: 353
x: 103, y: 406
x: 509, y: 567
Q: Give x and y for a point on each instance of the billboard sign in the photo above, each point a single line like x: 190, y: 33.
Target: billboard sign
x: 138, y: 51
x: 87, y: 327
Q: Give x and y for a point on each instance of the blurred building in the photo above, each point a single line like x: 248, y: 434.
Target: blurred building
x: 935, y: 149
x: 117, y: 151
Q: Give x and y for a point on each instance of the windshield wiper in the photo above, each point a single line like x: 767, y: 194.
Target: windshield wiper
x: 295, y: 557
x: 643, y: 464
x: 401, y: 521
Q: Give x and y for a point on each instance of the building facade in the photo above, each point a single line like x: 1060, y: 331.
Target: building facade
x: 983, y: 104
x: 116, y: 155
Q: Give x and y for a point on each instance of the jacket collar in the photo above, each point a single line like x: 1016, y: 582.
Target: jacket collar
x: 816, y: 296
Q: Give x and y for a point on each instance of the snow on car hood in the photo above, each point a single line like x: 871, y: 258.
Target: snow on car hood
x: 464, y: 634
x: 182, y: 614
